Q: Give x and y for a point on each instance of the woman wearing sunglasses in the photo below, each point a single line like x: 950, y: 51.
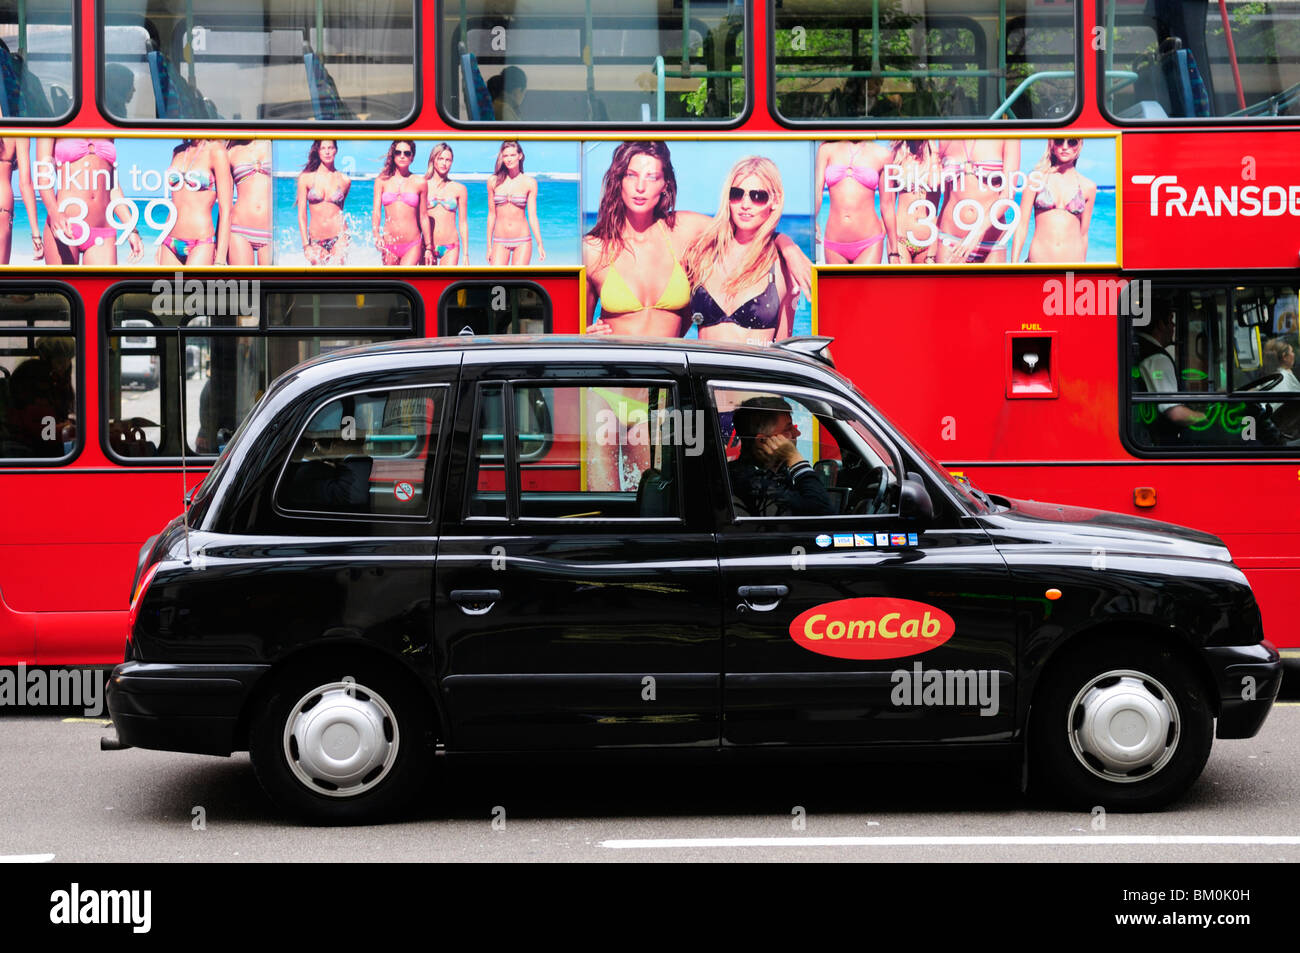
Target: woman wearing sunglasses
x: 633, y: 256
x: 400, y: 200
x: 1062, y: 207
x: 850, y: 173
x: 741, y: 289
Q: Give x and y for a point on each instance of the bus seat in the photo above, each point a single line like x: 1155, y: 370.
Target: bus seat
x: 477, y: 98
x: 326, y: 104
x: 655, y: 495
x: 166, y: 97
x: 1144, y: 109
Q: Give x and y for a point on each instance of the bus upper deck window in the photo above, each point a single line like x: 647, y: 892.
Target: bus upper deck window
x: 36, y: 53
x: 1175, y: 61
x: 617, y: 61
x: 925, y: 61
x: 276, y: 61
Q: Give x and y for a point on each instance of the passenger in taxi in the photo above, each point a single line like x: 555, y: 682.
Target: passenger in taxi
x: 771, y: 477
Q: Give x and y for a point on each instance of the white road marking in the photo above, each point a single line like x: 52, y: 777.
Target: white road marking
x: 26, y: 858
x: 1027, y: 840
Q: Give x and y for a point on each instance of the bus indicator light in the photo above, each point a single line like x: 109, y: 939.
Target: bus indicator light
x: 1144, y: 496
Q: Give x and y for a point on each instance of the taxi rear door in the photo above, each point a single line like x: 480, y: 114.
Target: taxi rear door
x: 577, y: 599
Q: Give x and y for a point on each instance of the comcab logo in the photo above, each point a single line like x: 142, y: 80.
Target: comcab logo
x: 872, y: 628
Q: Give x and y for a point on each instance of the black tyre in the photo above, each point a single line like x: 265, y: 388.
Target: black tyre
x: 1123, y: 724
x: 342, y: 742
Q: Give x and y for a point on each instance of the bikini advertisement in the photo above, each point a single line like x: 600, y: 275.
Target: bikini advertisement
x: 297, y: 203
x: 698, y: 239
x: 966, y: 201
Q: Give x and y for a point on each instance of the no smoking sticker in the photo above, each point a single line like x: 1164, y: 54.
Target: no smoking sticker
x: 404, y: 492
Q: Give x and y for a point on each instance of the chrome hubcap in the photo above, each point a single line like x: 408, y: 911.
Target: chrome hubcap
x: 1123, y: 726
x: 341, y: 739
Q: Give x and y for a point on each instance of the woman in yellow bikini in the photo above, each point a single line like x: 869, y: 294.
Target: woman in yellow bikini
x: 639, y: 237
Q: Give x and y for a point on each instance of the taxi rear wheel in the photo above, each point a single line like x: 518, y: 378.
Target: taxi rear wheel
x: 341, y: 742
x: 1125, y: 725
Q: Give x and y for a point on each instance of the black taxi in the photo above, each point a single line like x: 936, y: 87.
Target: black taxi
x: 522, y: 545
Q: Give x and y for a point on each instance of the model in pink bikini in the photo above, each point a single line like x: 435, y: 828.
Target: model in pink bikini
x: 400, y: 199
x: 850, y: 173
x: 77, y: 230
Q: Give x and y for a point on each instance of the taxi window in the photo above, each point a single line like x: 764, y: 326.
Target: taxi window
x: 790, y: 456
x: 365, y: 454
x: 579, y: 452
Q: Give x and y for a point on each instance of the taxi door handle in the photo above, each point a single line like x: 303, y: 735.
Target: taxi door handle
x: 762, y: 598
x: 475, y: 601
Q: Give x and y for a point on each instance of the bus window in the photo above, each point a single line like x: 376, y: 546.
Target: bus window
x: 258, y: 60
x: 1214, y: 369
x: 621, y: 61
x: 1170, y: 60
x: 38, y: 378
x: 494, y: 307
x: 211, y: 369
x: 858, y: 59
x: 36, y: 59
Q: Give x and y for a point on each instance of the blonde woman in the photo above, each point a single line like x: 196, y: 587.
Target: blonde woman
x: 1062, y: 207
x: 448, y: 209
x: 741, y: 289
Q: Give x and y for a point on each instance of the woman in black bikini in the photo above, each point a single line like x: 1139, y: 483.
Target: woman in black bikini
x: 741, y: 288
x: 14, y: 153
x: 321, y: 193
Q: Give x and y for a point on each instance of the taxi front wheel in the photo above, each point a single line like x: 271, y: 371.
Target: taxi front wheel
x: 341, y: 742
x: 1122, y: 724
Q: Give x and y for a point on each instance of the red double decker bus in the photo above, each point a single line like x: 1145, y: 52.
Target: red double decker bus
x: 1026, y: 223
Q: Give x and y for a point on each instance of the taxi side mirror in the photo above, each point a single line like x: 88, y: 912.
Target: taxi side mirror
x: 914, y: 500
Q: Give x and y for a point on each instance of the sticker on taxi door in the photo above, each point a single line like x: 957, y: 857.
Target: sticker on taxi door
x: 872, y: 628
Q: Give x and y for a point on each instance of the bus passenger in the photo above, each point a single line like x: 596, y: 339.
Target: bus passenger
x: 403, y: 238
x: 850, y: 173
x: 322, y: 191
x: 448, y: 210
x: 15, y: 154
x: 42, y: 401
x: 978, y: 183
x: 741, y: 289
x: 197, y: 179
x: 77, y: 230
x: 1062, y: 208
x: 250, y: 220
x: 510, y: 193
x: 508, y: 89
